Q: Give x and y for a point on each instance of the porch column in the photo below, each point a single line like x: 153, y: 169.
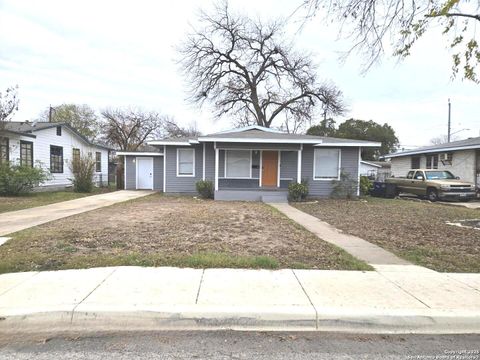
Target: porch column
x: 216, y: 168
x: 299, y: 164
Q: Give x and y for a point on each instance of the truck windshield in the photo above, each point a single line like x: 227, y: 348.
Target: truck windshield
x: 437, y: 175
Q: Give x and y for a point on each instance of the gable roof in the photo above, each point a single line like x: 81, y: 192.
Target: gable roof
x: 27, y: 128
x: 471, y: 143
x: 259, y: 134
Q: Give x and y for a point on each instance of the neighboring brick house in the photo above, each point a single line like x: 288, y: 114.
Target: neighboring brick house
x: 462, y: 158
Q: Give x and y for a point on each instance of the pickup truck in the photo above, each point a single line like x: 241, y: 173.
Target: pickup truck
x: 434, y: 185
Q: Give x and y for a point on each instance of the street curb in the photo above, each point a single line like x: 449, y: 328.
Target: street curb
x: 331, y: 320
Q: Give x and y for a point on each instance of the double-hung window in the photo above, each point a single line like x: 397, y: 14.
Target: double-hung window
x: 98, y: 161
x: 56, y: 159
x: 326, y: 164
x: 432, y: 161
x: 238, y: 164
x: 185, y: 162
x: 26, y: 153
x: 4, y: 150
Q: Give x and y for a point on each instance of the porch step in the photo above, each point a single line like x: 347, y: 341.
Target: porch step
x: 275, y: 198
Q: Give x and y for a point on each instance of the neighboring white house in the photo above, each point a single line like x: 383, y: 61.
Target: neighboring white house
x: 462, y: 158
x: 53, y: 146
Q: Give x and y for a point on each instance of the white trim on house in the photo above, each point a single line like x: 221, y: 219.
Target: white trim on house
x: 164, y: 169
x: 368, y: 163
x: 193, y: 163
x: 136, y: 169
x: 216, y: 166
x: 133, y: 153
x: 203, y: 162
x: 278, y: 168
x: 299, y: 165
x: 225, y: 164
x: 339, y: 167
x: 358, y: 169
x: 260, y: 170
x: 315, y: 142
x: 431, y: 151
x: 124, y: 173
x: 366, y: 144
x: 173, y: 143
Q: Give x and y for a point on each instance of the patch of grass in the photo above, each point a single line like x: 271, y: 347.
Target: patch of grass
x: 159, y: 230
x: 199, y: 261
x: 26, y: 201
x: 414, y: 230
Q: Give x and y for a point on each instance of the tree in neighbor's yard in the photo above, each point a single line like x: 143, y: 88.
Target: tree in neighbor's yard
x: 372, y: 23
x: 360, y: 130
x: 8, y: 104
x: 127, y: 129
x: 171, y: 129
x: 81, y: 117
x: 249, y: 70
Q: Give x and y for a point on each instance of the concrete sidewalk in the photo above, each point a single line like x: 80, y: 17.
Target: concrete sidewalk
x: 395, y: 299
x: 361, y: 249
x: 13, y: 221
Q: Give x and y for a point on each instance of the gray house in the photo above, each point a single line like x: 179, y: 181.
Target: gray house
x: 251, y: 163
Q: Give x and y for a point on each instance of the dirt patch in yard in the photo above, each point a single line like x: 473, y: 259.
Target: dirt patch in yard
x: 415, y: 230
x: 183, y: 231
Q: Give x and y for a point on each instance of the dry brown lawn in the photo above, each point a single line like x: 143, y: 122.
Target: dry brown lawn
x: 180, y: 231
x: 415, y: 230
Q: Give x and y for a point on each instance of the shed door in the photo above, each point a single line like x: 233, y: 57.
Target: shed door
x: 269, y: 168
x: 144, y: 173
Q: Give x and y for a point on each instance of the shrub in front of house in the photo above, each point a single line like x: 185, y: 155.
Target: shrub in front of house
x: 297, y: 191
x: 83, y: 170
x: 365, y: 185
x: 18, y: 179
x: 205, y: 189
x: 345, y: 188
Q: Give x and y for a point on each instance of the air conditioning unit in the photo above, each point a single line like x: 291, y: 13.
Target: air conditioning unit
x: 445, y: 156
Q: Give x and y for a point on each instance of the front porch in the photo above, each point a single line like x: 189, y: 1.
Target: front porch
x: 265, y: 195
x: 256, y: 174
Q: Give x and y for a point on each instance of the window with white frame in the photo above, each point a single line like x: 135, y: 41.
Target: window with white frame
x: 185, y: 162
x: 238, y: 163
x: 326, y: 164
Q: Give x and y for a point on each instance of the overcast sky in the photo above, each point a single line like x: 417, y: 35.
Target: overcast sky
x: 122, y: 53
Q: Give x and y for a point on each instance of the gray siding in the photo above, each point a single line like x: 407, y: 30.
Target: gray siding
x: 158, y: 173
x: 323, y: 188
x: 182, y: 184
x: 209, y: 162
x: 288, y: 165
x: 130, y: 172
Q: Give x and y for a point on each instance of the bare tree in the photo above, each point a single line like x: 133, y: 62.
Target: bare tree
x: 246, y: 68
x: 128, y: 129
x: 8, y: 104
x: 171, y: 129
x: 372, y: 23
x: 442, y: 139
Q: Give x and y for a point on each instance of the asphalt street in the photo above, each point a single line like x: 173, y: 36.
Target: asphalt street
x: 237, y: 345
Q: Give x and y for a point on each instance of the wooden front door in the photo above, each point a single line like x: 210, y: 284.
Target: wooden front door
x: 269, y: 168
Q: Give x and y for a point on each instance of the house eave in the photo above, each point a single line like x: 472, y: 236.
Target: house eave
x: 315, y: 142
x: 431, y: 151
x: 138, y: 153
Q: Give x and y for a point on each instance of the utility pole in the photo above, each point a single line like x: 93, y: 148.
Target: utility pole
x: 449, y: 120
x: 50, y: 114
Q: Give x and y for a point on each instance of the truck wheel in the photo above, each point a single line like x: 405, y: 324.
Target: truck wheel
x: 432, y: 195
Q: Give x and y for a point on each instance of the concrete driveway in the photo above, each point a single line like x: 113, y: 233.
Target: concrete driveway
x: 13, y: 221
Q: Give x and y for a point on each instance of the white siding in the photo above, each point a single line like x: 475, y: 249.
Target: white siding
x: 400, y: 166
x: 463, y: 165
x: 68, y: 140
